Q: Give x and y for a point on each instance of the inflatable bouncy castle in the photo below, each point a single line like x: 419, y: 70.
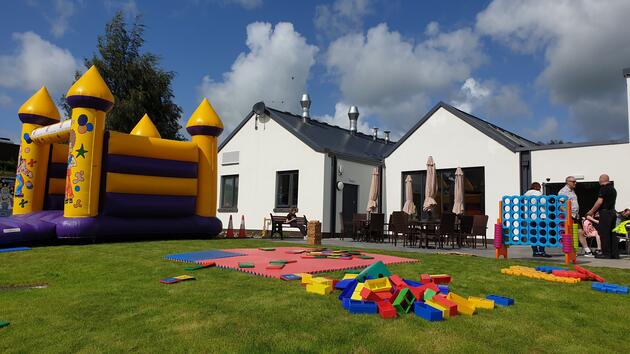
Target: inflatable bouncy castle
x: 76, y: 180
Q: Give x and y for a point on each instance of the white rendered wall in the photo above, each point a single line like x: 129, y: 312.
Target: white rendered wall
x: 589, y: 162
x: 353, y: 173
x: 628, y: 100
x: 264, y: 152
x: 454, y: 143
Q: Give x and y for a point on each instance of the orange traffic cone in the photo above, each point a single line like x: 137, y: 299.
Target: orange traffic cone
x: 230, y: 230
x: 241, y: 231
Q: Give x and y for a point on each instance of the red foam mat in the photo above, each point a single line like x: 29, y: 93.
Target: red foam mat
x: 261, y: 260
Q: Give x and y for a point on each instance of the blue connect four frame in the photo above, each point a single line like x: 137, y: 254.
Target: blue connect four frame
x: 534, y: 220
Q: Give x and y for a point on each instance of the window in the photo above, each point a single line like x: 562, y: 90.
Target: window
x: 286, y: 189
x: 229, y: 193
x: 474, y: 190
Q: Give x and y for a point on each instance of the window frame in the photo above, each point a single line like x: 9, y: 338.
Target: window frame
x: 234, y: 208
x: 294, y: 182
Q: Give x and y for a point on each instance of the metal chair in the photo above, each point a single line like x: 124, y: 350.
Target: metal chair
x: 398, y: 224
x: 465, y: 228
x: 444, y: 229
x: 480, y: 226
x: 375, y: 227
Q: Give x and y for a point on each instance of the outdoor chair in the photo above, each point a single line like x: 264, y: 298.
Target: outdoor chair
x: 445, y: 228
x: 358, y: 226
x: 375, y: 228
x: 398, y: 225
x: 465, y: 228
x: 480, y: 226
x: 346, y: 225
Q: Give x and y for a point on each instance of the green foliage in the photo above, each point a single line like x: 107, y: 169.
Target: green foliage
x: 107, y: 298
x: 138, y: 83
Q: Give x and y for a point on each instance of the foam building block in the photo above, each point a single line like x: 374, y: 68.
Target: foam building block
x: 481, y: 303
x: 349, y: 276
x: 425, y: 278
x: 205, y: 265
x: 404, y: 301
x: 289, y: 277
x: 464, y: 307
x: 437, y: 306
x: 590, y: 274
x: 443, y: 289
x: 384, y: 295
x: 362, y: 307
x: 369, y: 295
x: 427, y: 312
x: 356, y: 295
x: 448, y: 304
x: 386, y: 310
x: 306, y: 278
x: 378, y: 285
x: 549, y: 269
x: 275, y: 266
x: 429, y: 294
x: 610, y: 288
x: 176, y: 279
x: 569, y: 274
x: 318, y: 288
x: 501, y: 300
x: 348, y: 291
x: 246, y: 265
x: 376, y: 270
x: 397, y: 282
x: 4, y: 324
x: 322, y: 281
x: 441, y: 279
x: 342, y: 284
x: 412, y: 283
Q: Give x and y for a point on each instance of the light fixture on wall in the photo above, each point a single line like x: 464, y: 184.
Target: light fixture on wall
x: 340, y: 169
x: 339, y: 186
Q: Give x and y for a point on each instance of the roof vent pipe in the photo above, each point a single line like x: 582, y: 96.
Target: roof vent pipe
x: 387, y: 136
x: 353, y: 115
x: 305, y: 102
x: 375, y: 136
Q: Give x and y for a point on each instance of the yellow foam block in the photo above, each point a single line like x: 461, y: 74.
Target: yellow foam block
x: 481, y: 303
x: 306, y: 278
x: 319, y: 289
x: 349, y: 276
x: 435, y: 305
x: 378, y: 285
x: 142, y: 146
x: 356, y: 295
x: 138, y: 184
x: 184, y: 277
x: 463, y: 306
x: 322, y: 281
x: 57, y: 186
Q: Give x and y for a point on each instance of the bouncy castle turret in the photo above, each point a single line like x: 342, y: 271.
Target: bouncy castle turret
x: 90, y: 99
x: 145, y: 127
x: 205, y: 126
x: 37, y: 111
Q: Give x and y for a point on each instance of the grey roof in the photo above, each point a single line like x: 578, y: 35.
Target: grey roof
x: 575, y: 145
x: 326, y: 138
x: 510, y: 140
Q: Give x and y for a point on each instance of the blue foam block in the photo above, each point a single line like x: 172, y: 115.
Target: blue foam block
x: 289, y: 277
x: 355, y: 306
x: 501, y: 300
x: 549, y: 269
x: 345, y: 302
x: 342, y: 284
x: 412, y: 283
x: 348, y: 290
x: 194, y: 257
x: 443, y: 289
x: 14, y: 249
x: 610, y: 288
x: 427, y: 312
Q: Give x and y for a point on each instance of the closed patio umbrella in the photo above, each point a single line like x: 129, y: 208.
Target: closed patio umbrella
x: 458, y: 203
x: 431, y: 186
x: 372, y: 203
x: 409, y: 207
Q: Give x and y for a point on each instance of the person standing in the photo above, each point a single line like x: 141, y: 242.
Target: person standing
x: 536, y: 190
x: 605, y: 204
x: 568, y: 191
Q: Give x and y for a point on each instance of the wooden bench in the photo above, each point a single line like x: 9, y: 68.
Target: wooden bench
x: 278, y: 221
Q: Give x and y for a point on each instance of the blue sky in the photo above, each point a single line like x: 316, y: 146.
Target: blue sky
x: 542, y: 69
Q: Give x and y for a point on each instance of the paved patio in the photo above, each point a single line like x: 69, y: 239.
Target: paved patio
x: 515, y: 252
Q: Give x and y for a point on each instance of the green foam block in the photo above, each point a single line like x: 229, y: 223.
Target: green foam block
x: 4, y: 324
x: 246, y: 265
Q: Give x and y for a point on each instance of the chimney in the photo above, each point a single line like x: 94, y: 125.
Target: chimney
x: 305, y: 102
x: 626, y: 75
x: 353, y: 115
x: 375, y: 135
x: 387, y: 136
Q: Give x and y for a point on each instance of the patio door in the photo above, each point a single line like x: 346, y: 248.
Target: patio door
x: 350, y: 200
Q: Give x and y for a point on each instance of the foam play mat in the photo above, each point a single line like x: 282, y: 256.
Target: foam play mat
x: 202, y: 257
x: 294, y: 261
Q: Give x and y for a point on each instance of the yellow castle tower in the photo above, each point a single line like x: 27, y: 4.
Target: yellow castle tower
x: 90, y: 99
x: 37, y: 111
x: 145, y: 127
x: 205, y: 126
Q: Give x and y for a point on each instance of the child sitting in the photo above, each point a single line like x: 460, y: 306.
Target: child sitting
x: 589, y: 230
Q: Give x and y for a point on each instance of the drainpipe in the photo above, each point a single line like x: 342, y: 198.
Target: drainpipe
x: 333, y: 195
x: 380, y: 188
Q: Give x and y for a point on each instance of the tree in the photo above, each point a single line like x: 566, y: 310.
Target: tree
x: 137, y: 82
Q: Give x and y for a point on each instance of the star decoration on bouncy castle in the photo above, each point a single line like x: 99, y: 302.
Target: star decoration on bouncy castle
x: 81, y: 152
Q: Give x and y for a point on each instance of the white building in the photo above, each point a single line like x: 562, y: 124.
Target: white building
x: 266, y: 157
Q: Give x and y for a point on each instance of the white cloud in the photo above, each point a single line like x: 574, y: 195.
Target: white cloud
x: 246, y: 4
x: 274, y: 70
x: 37, y: 62
x: 341, y: 17
x: 585, y: 46
x: 492, y: 100
x: 63, y: 10
x: 547, y: 131
x: 394, y: 78
x: 5, y: 101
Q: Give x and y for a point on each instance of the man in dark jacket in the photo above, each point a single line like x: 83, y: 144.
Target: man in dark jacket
x: 605, y: 204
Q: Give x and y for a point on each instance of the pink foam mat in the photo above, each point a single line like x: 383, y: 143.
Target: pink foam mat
x: 261, y: 260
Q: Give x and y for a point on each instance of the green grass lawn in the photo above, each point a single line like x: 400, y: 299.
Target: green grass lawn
x: 107, y: 298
